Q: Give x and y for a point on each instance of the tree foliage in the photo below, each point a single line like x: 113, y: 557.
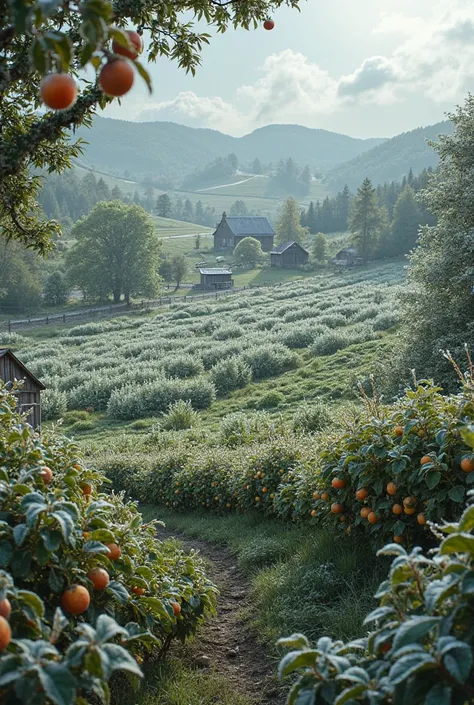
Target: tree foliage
x: 38, y: 37
x: 179, y: 268
x: 289, y: 226
x: 20, y: 279
x: 116, y: 253
x: 248, y: 251
x: 319, y: 247
x: 365, y: 220
x: 56, y: 289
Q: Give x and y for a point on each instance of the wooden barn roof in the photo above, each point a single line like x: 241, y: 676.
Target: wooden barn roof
x: 249, y: 225
x: 7, y: 351
x: 285, y: 246
x: 215, y: 271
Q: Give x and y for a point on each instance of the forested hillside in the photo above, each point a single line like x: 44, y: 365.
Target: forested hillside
x: 391, y: 160
x: 167, y: 149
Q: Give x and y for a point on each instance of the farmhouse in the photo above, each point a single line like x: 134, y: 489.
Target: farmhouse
x: 232, y: 229
x: 289, y: 254
x: 348, y: 257
x: 216, y: 279
x: 29, y: 397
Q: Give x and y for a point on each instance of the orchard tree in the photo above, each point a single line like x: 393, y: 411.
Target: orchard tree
x: 164, y: 207
x: 56, y: 289
x: 366, y: 219
x: 43, y: 48
x: 248, y: 251
x: 116, y: 253
x: 289, y: 226
x: 179, y: 267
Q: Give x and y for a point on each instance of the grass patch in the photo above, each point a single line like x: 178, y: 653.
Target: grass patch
x: 302, y: 579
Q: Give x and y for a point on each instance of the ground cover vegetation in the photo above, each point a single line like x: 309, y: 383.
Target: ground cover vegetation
x: 86, y: 588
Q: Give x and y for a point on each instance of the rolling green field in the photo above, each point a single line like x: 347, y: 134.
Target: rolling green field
x: 167, y: 227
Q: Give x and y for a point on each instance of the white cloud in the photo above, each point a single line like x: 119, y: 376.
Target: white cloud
x: 434, y: 59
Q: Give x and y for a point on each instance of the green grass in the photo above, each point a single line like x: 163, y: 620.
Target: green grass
x: 167, y: 227
x: 174, y: 682
x: 302, y: 579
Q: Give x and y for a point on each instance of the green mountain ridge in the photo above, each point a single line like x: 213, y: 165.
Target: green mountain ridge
x: 153, y: 149
x: 392, y: 160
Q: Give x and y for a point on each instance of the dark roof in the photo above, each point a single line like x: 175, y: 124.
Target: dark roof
x: 251, y: 225
x: 215, y: 271
x: 6, y: 351
x: 348, y: 250
x: 285, y: 246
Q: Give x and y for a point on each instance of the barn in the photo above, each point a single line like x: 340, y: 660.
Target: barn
x: 216, y: 279
x: 29, y: 397
x: 348, y: 257
x: 232, y: 229
x: 289, y: 254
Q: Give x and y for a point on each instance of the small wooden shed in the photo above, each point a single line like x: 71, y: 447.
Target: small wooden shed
x: 216, y: 278
x: 348, y: 257
x: 289, y: 254
x: 29, y: 396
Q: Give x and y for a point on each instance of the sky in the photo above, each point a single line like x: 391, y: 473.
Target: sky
x: 365, y: 68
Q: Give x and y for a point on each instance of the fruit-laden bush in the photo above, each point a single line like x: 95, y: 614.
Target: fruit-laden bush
x: 53, y: 404
x: 179, y: 417
x: 230, y: 374
x: 421, y: 643
x: 269, y: 360
x: 183, y: 366
x: 312, y: 417
x: 86, y: 589
x: 139, y: 401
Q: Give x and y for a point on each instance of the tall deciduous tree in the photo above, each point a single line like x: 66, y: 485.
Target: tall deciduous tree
x: 319, y: 247
x: 289, y: 226
x: 164, y: 207
x: 20, y: 280
x: 365, y: 220
x: 116, y: 253
x: 248, y: 251
x: 38, y: 37
x: 179, y: 267
x: 438, y: 312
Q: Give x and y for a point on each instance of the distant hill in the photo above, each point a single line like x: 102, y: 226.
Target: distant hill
x: 392, y: 160
x: 140, y: 149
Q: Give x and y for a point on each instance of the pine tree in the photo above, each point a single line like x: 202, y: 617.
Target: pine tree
x: 238, y: 208
x: 188, y: 211
x: 405, y: 224
x: 365, y: 220
x: 56, y: 290
x: 117, y: 194
x: 257, y: 166
x: 164, y: 207
x: 103, y: 191
x: 289, y: 226
x: 343, y: 206
x: 199, y: 214
x: 178, y: 209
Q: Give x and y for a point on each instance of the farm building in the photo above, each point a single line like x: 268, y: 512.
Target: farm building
x: 216, y: 279
x: 231, y: 230
x: 29, y: 397
x: 348, y: 257
x: 289, y: 254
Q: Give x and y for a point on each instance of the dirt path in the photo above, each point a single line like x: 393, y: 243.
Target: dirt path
x: 225, y: 643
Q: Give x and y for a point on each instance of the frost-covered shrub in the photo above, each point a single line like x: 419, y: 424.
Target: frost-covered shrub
x: 242, y: 428
x: 311, y: 417
x: 179, y: 417
x: 183, y: 366
x: 230, y: 374
x: 180, y: 315
x: 385, y: 320
x: 53, y: 404
x: 269, y: 360
x: 227, y: 333
x: 270, y: 400
x: 95, y: 393
x: 329, y: 343
x: 298, y: 337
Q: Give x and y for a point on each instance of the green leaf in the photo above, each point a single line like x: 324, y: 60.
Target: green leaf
x: 467, y: 586
x: 106, y: 628
x: 433, y: 477
x: 457, y: 493
x: 351, y: 693
x: 466, y: 523
x: 144, y: 74
x: 440, y: 694
x: 95, y: 547
x: 51, y: 538
x: 32, y: 599
x: 408, y: 665
x: 392, y: 549
x: 19, y: 533
x: 296, y: 659
x: 6, y: 551
x: 378, y: 613
x: 120, y: 659
x: 56, y: 581
x: 458, y: 661
x: 413, y: 630
x: 103, y: 535
x: 458, y: 543
x: 120, y: 592
x: 20, y: 563
x: 467, y: 434
x: 58, y: 682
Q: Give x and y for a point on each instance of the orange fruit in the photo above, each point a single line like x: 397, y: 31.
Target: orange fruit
x: 116, y: 77
x: 264, y: 490
x: 398, y: 431
x: 337, y: 508
x: 338, y: 483
x: 409, y: 502
x: 467, y: 464
x: 135, y: 41
x: 138, y: 590
x: 114, y: 551
x: 425, y: 460
x: 343, y: 518
x: 397, y: 509
x: 86, y: 489
x: 391, y: 489
x: 176, y: 608
x: 362, y: 494
x: 314, y: 513
x: 272, y: 496
x: 324, y: 496
x: 99, y: 577
x: 86, y: 535
x: 421, y: 519
x: 398, y: 539
x: 76, y: 466
x: 5, y: 608
x: 58, y: 91
x: 257, y: 499
x: 410, y: 510
x: 5, y: 633
x: 75, y: 599
x: 46, y: 474
x: 365, y: 511
x: 316, y: 495
x: 227, y: 505
x: 372, y: 518
x: 268, y: 25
